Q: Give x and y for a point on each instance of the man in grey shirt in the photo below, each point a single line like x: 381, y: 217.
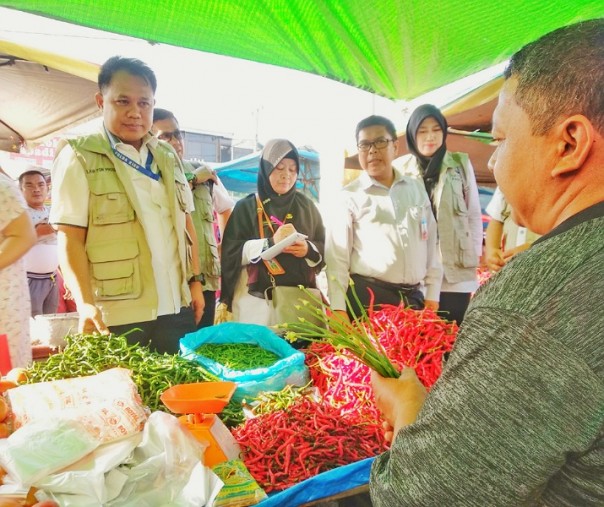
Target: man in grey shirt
x: 517, y: 417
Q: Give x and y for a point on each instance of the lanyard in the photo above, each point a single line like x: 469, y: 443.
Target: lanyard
x: 270, y: 220
x: 261, y: 211
x: 144, y: 170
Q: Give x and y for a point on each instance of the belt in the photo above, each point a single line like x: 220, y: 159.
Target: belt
x: 41, y: 276
x: 387, y: 285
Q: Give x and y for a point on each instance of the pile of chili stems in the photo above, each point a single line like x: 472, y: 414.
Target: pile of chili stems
x: 342, y: 424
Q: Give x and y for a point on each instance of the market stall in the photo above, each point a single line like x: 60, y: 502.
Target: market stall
x: 258, y: 420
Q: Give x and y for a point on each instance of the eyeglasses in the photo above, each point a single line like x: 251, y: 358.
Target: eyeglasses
x: 379, y: 144
x: 168, y: 136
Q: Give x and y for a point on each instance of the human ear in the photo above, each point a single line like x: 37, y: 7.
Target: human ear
x: 99, y: 100
x: 574, y: 143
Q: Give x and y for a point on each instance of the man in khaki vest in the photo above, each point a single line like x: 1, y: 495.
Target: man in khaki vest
x: 121, y: 205
x: 209, y: 196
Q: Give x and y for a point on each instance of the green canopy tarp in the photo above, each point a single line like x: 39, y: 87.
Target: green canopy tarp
x: 396, y: 48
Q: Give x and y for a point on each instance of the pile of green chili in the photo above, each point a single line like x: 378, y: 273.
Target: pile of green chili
x: 271, y: 401
x: 238, y: 356
x: 152, y: 372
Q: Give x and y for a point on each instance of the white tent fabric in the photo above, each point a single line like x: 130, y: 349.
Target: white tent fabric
x: 42, y: 94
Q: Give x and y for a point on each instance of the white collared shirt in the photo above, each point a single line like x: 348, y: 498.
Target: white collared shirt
x: 70, y: 199
x: 384, y: 233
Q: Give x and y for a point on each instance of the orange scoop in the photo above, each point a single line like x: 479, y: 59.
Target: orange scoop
x: 198, y: 398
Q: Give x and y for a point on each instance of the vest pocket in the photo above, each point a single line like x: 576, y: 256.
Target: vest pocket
x: 466, y: 257
x: 115, y: 269
x: 459, y: 204
x: 109, y: 203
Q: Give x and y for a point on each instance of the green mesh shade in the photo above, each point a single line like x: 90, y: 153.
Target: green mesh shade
x: 396, y: 48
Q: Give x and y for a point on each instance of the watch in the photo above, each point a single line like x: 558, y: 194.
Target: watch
x: 198, y: 278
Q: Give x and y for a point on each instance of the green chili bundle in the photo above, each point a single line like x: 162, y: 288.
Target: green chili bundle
x: 358, y: 336
x: 238, y: 356
x: 152, y: 372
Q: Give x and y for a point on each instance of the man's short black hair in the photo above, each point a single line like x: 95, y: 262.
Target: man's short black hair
x: 31, y: 172
x: 163, y: 114
x: 132, y: 66
x: 372, y: 120
x: 561, y: 74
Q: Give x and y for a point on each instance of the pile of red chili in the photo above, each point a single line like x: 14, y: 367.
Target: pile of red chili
x: 343, y: 426
x: 285, y: 447
x: 484, y: 274
x: 415, y: 339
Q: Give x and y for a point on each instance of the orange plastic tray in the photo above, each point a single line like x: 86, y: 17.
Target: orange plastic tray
x: 198, y: 398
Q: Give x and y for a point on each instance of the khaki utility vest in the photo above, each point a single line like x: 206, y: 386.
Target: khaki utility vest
x: 511, y: 230
x: 458, y: 254
x: 121, y: 273
x: 203, y: 220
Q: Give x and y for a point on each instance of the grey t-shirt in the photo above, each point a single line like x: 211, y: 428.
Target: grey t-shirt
x: 517, y: 415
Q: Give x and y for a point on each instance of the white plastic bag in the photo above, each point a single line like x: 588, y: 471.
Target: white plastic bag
x: 165, y: 469
x: 93, y: 480
x: 41, y: 448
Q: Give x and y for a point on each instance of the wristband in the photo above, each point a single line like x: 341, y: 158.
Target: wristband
x: 197, y: 278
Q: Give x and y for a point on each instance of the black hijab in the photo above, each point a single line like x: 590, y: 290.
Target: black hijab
x: 274, y: 152
x: 242, y: 226
x: 430, y: 166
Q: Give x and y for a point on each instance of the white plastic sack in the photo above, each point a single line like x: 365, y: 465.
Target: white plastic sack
x: 165, y: 469
x: 107, y: 404
x: 41, y: 448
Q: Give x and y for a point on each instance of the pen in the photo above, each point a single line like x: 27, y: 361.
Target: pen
x: 275, y: 220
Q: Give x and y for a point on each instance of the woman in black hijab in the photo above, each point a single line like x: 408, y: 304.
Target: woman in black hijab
x: 451, y: 185
x: 259, y: 221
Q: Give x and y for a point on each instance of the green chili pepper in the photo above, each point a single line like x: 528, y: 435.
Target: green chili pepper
x: 238, y: 356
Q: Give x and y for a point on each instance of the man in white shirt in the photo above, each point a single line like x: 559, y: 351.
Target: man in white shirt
x: 382, y: 235
x: 121, y: 204
x: 41, y: 262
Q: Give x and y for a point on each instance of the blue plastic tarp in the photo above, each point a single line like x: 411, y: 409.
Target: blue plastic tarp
x: 240, y: 175
x: 322, y: 486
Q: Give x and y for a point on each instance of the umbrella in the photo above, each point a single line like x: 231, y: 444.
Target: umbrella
x: 41, y: 94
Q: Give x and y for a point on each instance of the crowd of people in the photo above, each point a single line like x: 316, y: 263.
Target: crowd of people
x: 517, y: 416
x: 132, y: 224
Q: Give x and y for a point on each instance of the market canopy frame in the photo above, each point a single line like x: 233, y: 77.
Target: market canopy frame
x: 41, y: 94
x: 399, y: 49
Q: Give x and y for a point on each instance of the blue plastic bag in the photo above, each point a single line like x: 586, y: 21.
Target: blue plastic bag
x: 289, y: 369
